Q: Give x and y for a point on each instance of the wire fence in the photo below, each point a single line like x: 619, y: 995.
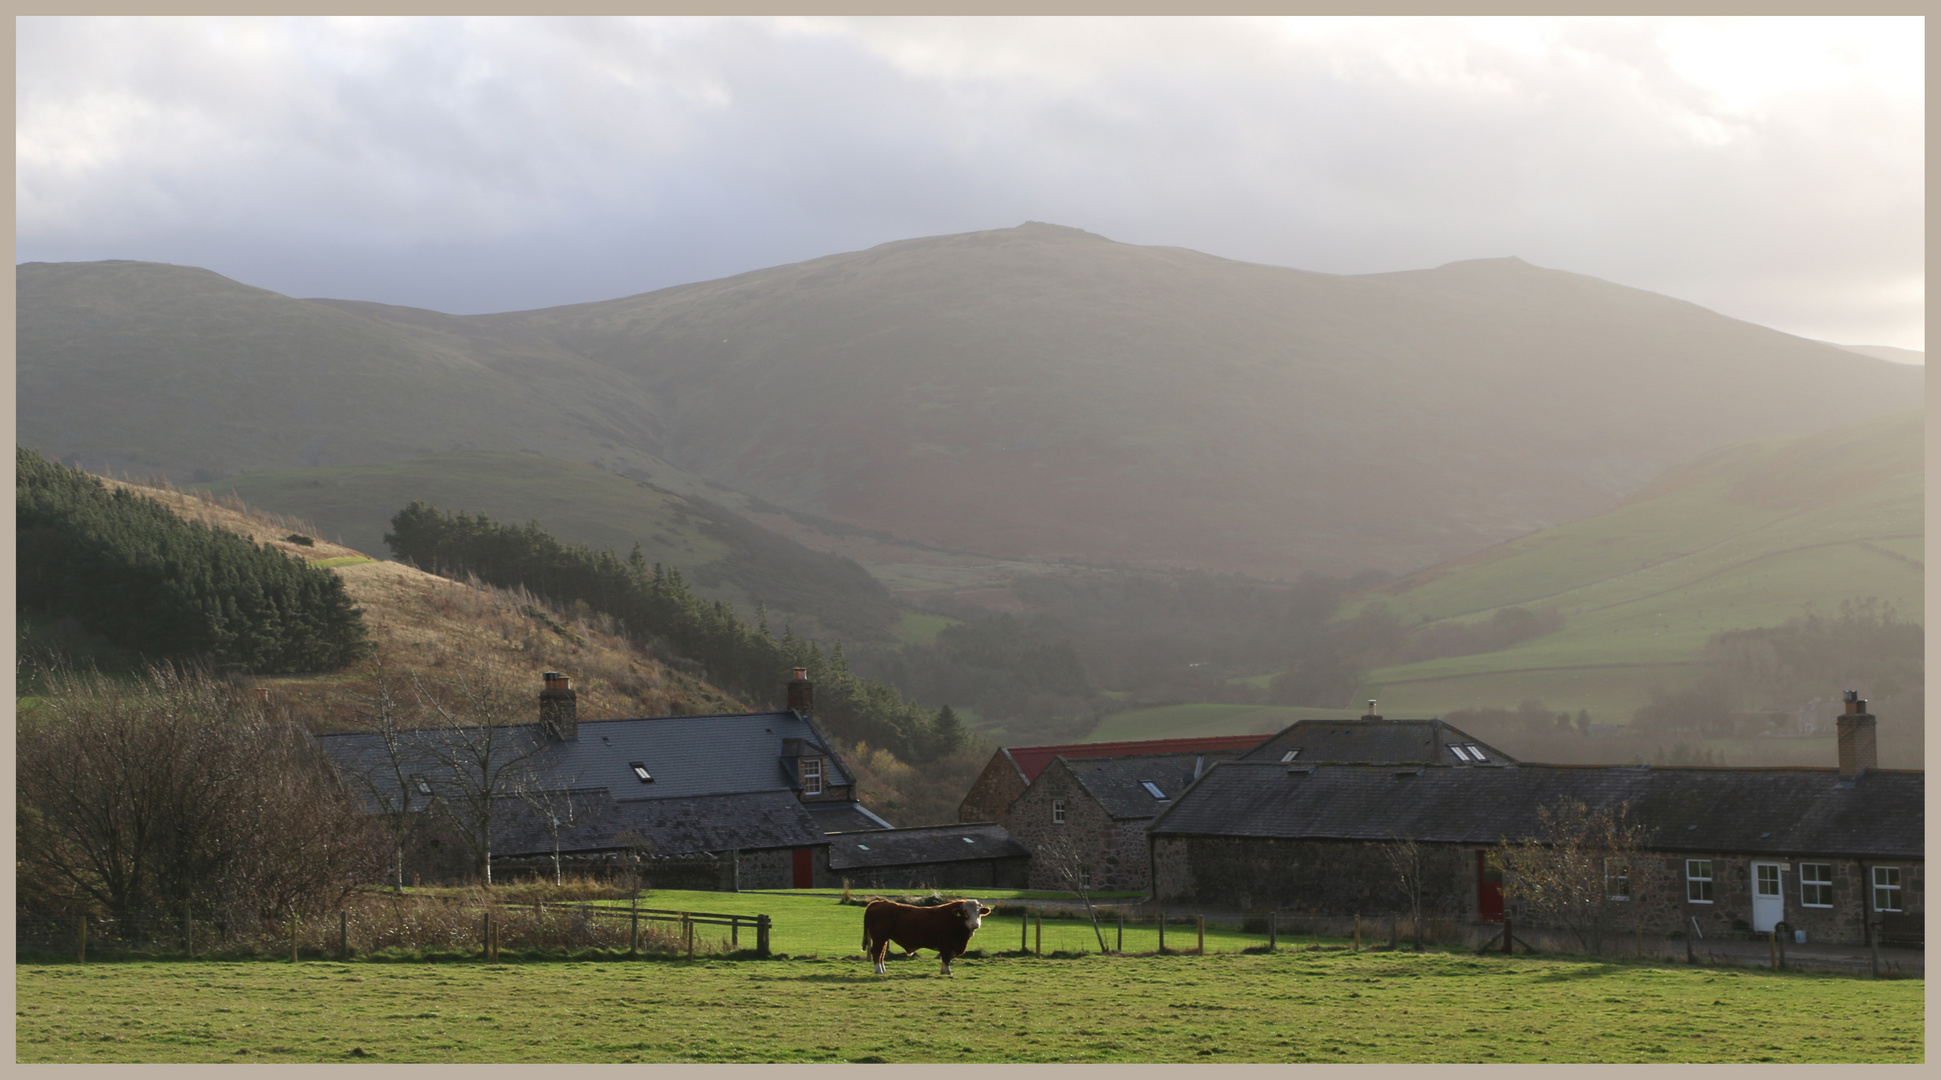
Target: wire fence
x: 396, y: 928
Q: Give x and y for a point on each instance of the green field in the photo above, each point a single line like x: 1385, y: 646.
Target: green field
x: 1748, y: 537
x: 1187, y: 721
x: 1288, y: 1006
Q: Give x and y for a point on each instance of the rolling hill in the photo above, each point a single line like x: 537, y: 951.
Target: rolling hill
x: 1032, y: 393
x: 1745, y: 536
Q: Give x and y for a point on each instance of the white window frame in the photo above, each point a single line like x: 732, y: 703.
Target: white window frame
x: 1819, y: 886
x: 1617, y: 878
x: 811, y: 776
x: 1887, y: 879
x: 639, y: 769
x: 1057, y: 811
x: 1697, y: 883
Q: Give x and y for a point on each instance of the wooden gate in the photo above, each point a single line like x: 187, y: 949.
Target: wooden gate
x: 1489, y: 889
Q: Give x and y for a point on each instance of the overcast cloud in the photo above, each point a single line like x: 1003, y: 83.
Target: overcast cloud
x: 1769, y: 169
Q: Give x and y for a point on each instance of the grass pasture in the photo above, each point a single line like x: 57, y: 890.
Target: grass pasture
x: 1281, y: 1007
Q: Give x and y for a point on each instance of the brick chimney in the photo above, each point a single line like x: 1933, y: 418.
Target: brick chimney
x: 1858, y: 752
x: 801, y: 692
x: 559, y: 711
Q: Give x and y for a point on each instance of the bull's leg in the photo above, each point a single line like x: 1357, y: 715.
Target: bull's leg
x: 875, y: 951
x: 945, y: 954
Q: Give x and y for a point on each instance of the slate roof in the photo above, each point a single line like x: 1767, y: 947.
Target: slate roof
x: 1118, y: 782
x: 1794, y: 811
x: 1031, y: 760
x: 1378, y: 741
x: 744, y: 820
x: 845, y: 817
x: 686, y: 755
x: 925, y: 844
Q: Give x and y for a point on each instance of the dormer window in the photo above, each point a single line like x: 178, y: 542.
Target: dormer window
x: 640, y: 771
x: 1291, y: 754
x: 812, y: 776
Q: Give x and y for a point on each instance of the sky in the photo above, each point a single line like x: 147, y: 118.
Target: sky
x: 1769, y: 169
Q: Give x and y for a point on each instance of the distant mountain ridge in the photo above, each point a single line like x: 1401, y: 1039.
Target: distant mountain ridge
x: 1034, y: 392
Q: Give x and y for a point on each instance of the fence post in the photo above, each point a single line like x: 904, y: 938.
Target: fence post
x: 1273, y: 930
x: 1639, y: 929
x: 1357, y: 931
x: 1121, y: 947
x: 1200, y: 949
x: 293, y: 937
x: 1394, y: 935
x: 1038, y: 924
x: 81, y: 940
x: 761, y: 935
x: 1873, y: 942
x: 633, y: 930
x: 1024, y: 928
x: 343, y: 935
x: 1772, y: 949
x: 188, y: 930
x: 1162, y: 931
x: 485, y: 937
x: 734, y: 933
x: 687, y: 926
x: 1781, y: 938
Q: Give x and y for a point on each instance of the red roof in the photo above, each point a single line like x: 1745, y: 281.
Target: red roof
x: 1033, y: 759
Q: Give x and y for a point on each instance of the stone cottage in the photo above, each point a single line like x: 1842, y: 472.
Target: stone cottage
x: 1837, y: 853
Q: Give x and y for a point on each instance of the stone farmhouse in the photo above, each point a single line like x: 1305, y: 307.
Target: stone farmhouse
x: 1012, y: 769
x: 753, y: 800
x: 1835, y: 853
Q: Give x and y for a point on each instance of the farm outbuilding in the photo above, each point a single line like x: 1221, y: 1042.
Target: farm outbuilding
x: 964, y: 856
x: 1837, y: 853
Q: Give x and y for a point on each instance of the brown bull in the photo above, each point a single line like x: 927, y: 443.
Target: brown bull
x: 946, y: 928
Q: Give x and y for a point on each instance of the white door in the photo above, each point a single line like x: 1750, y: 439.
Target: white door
x: 1768, y: 896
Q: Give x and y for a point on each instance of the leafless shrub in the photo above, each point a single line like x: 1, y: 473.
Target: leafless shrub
x: 1584, y: 871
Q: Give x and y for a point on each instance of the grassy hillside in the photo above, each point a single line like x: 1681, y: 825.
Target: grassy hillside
x: 1031, y: 393
x: 1745, y: 537
x: 722, y: 554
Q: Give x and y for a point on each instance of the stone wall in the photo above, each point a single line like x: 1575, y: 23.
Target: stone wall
x: 771, y: 868
x: 1112, y: 851
x: 991, y: 794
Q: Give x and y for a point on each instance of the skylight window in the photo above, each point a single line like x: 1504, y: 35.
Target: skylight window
x: 1456, y: 749
x: 640, y: 771
x: 424, y: 786
x: 1152, y: 789
x: 1291, y: 754
x: 1476, y: 752
x: 862, y: 847
x: 968, y: 840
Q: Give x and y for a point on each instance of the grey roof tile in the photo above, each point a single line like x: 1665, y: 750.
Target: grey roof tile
x: 925, y: 844
x: 1118, y: 783
x: 1380, y: 741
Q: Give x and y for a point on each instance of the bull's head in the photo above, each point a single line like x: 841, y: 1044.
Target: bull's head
x: 974, y: 913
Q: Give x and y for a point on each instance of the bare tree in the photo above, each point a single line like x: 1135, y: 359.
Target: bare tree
x: 1405, y: 859
x: 177, y: 788
x: 1063, y: 856
x: 482, y: 753
x: 1584, y: 871
x: 558, y: 806
x: 386, y: 779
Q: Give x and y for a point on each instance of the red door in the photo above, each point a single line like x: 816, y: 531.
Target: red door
x: 805, y: 869
x: 1489, y: 889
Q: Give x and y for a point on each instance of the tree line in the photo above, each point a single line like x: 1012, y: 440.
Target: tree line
x: 654, y: 602
x: 133, y: 572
